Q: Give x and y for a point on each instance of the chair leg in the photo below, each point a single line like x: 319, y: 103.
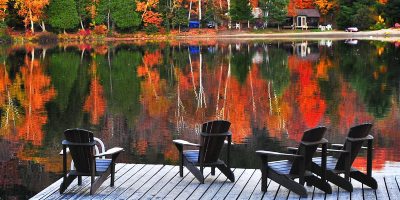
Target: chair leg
x: 66, y: 182
x: 287, y: 183
x: 194, y: 170
x: 112, y: 175
x: 227, y: 172
x: 264, y: 180
x: 318, y: 183
x: 79, y: 180
x: 213, y: 171
x: 364, y: 179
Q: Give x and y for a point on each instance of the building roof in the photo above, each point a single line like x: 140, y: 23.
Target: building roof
x: 308, y: 12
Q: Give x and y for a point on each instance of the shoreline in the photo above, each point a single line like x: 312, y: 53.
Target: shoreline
x: 384, y: 34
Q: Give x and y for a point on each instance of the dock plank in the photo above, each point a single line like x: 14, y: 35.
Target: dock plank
x: 180, y: 186
x: 272, y: 189
x: 201, y: 189
x: 381, y: 192
x: 251, y: 185
x: 152, y: 182
x: 122, y: 171
x: 392, y: 188
x: 171, y: 184
x: 140, y: 181
x: 257, y: 193
x: 216, y: 186
x: 357, y: 190
x: 130, y: 190
x: 129, y: 182
x: 240, y: 184
x: 188, y: 191
x: 133, y: 169
x: 227, y: 186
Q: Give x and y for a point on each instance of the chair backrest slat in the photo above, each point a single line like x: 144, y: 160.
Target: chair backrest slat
x: 212, y: 142
x: 310, y: 136
x: 81, y: 155
x: 359, y: 131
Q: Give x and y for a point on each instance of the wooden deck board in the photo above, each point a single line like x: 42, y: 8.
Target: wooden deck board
x: 202, y: 188
x: 188, y: 191
x: 123, y: 178
x: 150, y: 183
x: 392, y: 188
x: 357, y: 190
x: 240, y: 184
x: 272, y: 189
x: 226, y: 188
x: 157, y: 187
x: 217, y: 184
x: 140, y: 181
x: 381, y: 192
x: 130, y: 181
x: 251, y: 186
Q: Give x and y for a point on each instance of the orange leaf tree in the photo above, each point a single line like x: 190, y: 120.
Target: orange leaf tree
x: 325, y: 6
x: 3, y: 9
x: 31, y: 10
x: 149, y: 13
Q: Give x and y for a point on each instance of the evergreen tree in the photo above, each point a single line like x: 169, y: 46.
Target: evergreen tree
x: 392, y: 12
x: 120, y: 13
x: 82, y: 9
x: 63, y: 14
x: 240, y: 10
x: 180, y: 18
x: 277, y: 11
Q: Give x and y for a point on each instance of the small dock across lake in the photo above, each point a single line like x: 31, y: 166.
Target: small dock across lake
x: 144, y: 181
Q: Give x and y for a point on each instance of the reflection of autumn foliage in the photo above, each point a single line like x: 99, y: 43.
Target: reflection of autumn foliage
x: 95, y: 103
x: 311, y: 105
x: 38, y: 93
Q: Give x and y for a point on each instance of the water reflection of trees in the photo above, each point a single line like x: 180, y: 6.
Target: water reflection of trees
x: 142, y: 96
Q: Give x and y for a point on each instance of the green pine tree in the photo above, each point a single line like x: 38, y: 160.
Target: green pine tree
x: 240, y: 10
x: 277, y: 11
x: 119, y: 13
x: 63, y: 14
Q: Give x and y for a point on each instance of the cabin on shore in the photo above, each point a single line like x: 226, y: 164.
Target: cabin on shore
x: 304, y: 19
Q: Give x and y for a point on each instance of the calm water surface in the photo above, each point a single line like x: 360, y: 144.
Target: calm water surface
x: 142, y: 96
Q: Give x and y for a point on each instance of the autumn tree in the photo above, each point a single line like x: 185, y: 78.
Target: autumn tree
x: 325, y: 6
x: 3, y: 9
x: 63, y: 14
x: 149, y: 13
x: 31, y: 10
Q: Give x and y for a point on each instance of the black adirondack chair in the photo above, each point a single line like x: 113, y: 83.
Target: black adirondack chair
x: 212, y: 139
x: 342, y: 162
x: 81, y: 145
x: 284, y: 172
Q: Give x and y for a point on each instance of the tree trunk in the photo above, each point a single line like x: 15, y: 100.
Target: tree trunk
x: 43, y: 26
x: 83, y: 28
x: 190, y: 8
x: 31, y: 20
x: 108, y: 20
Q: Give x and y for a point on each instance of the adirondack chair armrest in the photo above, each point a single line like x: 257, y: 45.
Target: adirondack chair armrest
x: 368, y: 137
x: 341, y: 146
x: 333, y: 150
x: 337, y: 145
x: 185, y: 143
x: 68, y: 143
x: 111, y: 151
x: 273, y: 153
x: 61, y: 152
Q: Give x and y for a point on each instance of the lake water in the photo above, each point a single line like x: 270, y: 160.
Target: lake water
x: 141, y: 96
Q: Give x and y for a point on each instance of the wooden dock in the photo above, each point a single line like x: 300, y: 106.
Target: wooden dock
x: 144, y: 181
